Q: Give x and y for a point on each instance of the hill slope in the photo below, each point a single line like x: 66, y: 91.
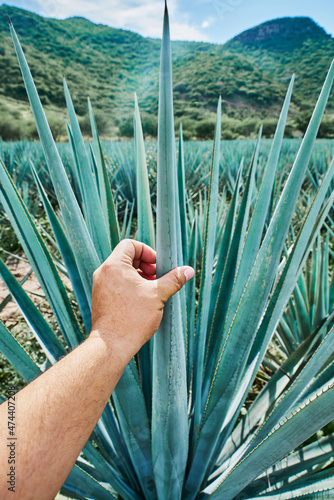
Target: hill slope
x: 251, y: 72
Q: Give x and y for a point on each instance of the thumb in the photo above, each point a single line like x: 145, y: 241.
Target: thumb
x: 172, y: 282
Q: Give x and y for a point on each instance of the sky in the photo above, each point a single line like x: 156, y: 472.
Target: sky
x: 197, y: 20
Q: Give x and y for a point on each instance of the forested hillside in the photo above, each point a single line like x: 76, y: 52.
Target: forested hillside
x: 250, y: 72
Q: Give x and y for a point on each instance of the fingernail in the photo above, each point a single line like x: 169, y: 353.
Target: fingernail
x: 189, y: 273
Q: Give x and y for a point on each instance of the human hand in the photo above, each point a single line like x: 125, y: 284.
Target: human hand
x: 128, y: 300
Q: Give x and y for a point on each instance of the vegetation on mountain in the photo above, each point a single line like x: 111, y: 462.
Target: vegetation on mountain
x: 250, y: 72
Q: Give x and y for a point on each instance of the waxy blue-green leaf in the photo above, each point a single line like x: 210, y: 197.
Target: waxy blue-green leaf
x: 206, y: 277
x: 254, y: 233
x: 227, y: 393
x: 232, y: 282
x: 75, y: 225
x: 106, y: 196
x: 257, y: 353
x: 227, y: 239
x: 191, y: 300
x: 145, y: 229
x: 267, y: 398
x: 97, y: 155
x: 39, y: 258
x: 287, y: 279
x: 17, y: 356
x: 94, y: 215
x: 182, y: 192
x: 8, y: 298
x: 146, y: 234
x: 169, y: 405
x: 296, y: 389
x: 67, y: 254
x: 319, y: 485
x: 84, y: 486
x: 298, y: 427
x: 107, y: 472
x: 247, y: 317
x: 135, y: 426
x: 294, y: 467
x: 74, y: 169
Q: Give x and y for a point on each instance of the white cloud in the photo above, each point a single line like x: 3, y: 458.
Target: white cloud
x: 185, y: 32
x: 142, y: 16
x: 208, y: 22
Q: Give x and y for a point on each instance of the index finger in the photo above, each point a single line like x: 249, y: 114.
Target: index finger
x: 136, y: 251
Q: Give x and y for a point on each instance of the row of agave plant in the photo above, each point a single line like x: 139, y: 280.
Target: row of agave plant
x: 173, y: 427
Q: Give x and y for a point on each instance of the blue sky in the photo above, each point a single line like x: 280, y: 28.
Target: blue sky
x: 201, y: 20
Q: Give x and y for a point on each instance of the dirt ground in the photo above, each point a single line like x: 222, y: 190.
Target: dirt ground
x: 19, y: 268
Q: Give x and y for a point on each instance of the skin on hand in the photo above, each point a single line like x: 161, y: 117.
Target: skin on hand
x: 128, y: 300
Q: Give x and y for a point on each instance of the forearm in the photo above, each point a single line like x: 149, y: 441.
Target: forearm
x: 70, y: 397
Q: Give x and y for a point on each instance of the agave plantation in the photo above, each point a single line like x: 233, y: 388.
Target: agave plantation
x: 180, y: 424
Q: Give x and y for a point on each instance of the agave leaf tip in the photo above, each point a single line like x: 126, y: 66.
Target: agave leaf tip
x: 9, y: 21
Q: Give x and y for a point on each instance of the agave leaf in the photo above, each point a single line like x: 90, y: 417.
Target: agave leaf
x: 8, y: 298
x: 247, y: 317
x: 285, y: 278
x: 146, y: 234
x: 318, y: 486
x: 144, y: 208
x: 169, y: 405
x: 95, y: 218
x: 84, y: 486
x: 294, y: 265
x: 129, y: 225
x: 224, y: 247
x: 294, y: 466
x: 39, y: 258
x: 297, y: 427
x: 97, y: 156
x: 135, y: 426
x: 107, y: 471
x: 182, y: 191
x: 297, y: 388
x: 254, y: 234
x: 268, y: 396
x: 111, y: 444
x: 191, y: 299
x: 107, y: 200
x: 74, y: 169
x: 230, y: 287
x: 75, y: 225
x: 17, y: 356
x: 67, y: 254
x: 206, y: 277
x: 229, y: 278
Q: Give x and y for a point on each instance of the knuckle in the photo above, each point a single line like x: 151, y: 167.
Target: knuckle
x: 176, y: 279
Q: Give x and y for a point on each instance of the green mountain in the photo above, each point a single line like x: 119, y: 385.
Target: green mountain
x: 250, y: 72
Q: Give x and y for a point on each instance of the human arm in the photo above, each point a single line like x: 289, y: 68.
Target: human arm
x: 57, y: 412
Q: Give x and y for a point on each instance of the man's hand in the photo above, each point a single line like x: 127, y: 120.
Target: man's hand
x: 128, y: 300
x: 63, y: 405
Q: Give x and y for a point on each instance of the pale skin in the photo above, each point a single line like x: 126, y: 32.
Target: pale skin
x: 57, y: 412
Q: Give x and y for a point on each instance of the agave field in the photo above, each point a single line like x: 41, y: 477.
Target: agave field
x: 226, y: 399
